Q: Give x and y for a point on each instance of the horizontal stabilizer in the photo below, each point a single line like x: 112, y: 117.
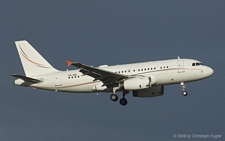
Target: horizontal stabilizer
x: 27, y: 79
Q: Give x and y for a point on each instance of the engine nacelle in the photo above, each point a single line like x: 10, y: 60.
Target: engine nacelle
x: 150, y: 92
x: 136, y: 83
x: 139, y: 83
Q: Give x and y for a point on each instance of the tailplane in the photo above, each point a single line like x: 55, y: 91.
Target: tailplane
x: 33, y: 63
x: 26, y: 79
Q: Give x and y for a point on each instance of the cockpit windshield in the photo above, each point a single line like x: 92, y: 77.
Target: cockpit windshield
x: 197, y: 64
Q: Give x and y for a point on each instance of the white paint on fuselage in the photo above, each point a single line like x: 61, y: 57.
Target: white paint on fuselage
x: 167, y: 72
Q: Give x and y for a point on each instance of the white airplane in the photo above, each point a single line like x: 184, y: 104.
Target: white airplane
x: 146, y: 79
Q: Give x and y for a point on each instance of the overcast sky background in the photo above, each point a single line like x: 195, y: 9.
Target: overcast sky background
x: 112, y: 32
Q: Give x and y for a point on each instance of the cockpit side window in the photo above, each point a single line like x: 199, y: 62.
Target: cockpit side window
x: 197, y: 64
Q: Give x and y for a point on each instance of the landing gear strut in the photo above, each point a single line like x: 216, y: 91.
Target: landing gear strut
x: 122, y: 101
x: 113, y: 96
x: 183, y: 89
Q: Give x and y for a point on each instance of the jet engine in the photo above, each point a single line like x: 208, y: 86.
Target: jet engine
x: 139, y: 83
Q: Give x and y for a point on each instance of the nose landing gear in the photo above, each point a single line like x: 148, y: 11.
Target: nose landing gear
x: 185, y: 93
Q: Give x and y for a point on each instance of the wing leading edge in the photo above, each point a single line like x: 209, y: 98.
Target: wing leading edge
x: 107, y: 77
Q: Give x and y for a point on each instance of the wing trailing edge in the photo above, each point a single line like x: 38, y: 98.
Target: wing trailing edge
x: 27, y: 79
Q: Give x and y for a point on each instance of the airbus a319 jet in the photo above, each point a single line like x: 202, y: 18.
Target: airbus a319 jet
x: 145, y: 79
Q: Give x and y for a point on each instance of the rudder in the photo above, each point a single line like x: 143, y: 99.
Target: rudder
x: 33, y: 63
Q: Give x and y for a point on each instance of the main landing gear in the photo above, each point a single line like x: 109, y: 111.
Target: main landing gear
x: 122, y: 101
x: 185, y: 93
x: 114, y: 97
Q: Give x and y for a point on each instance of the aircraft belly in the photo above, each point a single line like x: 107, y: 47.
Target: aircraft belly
x: 78, y: 88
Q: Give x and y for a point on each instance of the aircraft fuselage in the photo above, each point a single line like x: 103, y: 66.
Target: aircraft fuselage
x: 166, y: 72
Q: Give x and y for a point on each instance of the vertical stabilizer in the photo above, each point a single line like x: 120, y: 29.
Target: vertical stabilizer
x: 33, y: 63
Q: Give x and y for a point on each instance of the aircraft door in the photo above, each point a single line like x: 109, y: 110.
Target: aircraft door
x: 180, y: 65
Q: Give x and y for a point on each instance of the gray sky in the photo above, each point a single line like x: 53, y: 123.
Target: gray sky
x: 112, y: 32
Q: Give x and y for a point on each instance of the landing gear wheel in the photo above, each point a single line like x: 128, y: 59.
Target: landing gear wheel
x: 113, y: 97
x: 184, y: 93
x: 183, y: 88
x: 123, y: 101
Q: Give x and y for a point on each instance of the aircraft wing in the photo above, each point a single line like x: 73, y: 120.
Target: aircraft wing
x: 107, y: 77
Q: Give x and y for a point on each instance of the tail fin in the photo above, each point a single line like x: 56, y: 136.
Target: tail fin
x: 33, y: 63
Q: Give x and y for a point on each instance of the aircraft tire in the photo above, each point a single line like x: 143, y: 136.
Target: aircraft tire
x: 123, y: 101
x: 113, y: 97
x: 185, y: 93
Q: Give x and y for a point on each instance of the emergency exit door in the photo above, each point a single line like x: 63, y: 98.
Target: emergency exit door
x: 180, y: 65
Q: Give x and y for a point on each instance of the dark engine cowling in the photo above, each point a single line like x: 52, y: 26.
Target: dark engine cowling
x: 150, y: 92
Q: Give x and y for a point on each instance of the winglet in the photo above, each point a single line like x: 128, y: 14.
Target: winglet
x: 69, y: 63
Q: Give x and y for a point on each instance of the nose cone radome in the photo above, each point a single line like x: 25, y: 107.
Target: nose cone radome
x: 209, y: 71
